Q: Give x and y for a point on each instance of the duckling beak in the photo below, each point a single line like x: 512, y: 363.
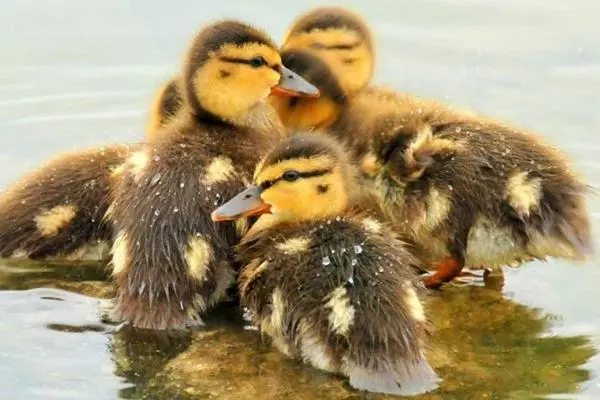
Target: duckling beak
x: 292, y: 84
x: 245, y: 204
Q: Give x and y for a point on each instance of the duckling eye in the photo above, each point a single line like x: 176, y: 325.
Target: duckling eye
x: 257, y: 62
x: 291, y: 176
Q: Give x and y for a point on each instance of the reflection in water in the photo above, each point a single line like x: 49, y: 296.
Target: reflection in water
x: 484, y: 346
x: 139, y: 355
x: 89, y: 278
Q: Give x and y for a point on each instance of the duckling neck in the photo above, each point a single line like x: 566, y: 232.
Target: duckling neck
x: 307, y: 113
x: 205, y: 117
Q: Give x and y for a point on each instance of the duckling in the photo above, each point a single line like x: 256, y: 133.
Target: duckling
x: 404, y: 142
x: 475, y: 192
x: 328, y: 282
x: 58, y: 210
x: 170, y: 261
x: 168, y: 99
x: 334, y: 49
x: 331, y: 47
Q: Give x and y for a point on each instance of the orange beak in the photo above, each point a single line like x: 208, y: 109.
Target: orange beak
x: 245, y: 204
x: 293, y: 85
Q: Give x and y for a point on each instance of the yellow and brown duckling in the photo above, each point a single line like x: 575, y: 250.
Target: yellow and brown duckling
x: 332, y: 46
x: 499, y: 202
x: 58, y: 210
x: 334, y: 49
x: 329, y: 283
x: 474, y: 192
x: 170, y: 261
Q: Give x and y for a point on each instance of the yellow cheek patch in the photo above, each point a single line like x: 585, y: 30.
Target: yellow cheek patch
x: 49, y: 222
x: 354, y: 76
x: 233, y: 95
x: 275, y: 171
x: 303, y: 200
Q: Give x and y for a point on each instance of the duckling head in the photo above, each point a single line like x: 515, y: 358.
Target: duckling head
x: 305, y: 178
x: 341, y: 39
x: 232, y: 68
x: 332, y: 48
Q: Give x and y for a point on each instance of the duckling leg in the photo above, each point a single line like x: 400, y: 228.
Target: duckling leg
x: 450, y: 267
x: 446, y: 270
x: 493, y: 279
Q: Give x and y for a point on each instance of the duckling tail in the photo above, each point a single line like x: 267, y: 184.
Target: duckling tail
x: 58, y: 209
x: 401, y: 377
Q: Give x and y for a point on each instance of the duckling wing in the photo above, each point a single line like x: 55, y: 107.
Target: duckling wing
x: 342, y: 296
x: 59, y: 209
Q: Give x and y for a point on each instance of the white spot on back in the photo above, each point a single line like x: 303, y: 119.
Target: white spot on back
x: 138, y: 162
x: 342, y: 312
x: 198, y: 256
x: 371, y: 225
x: 278, y: 311
x: 523, y: 194
x: 294, y: 245
x: 438, y: 207
x: 119, y: 252
x: 49, y: 222
x: 313, y: 351
x: 220, y: 169
x: 413, y: 303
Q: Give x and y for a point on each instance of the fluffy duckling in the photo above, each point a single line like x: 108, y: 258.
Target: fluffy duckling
x: 474, y: 192
x: 170, y: 261
x: 500, y: 202
x: 168, y: 99
x: 333, y: 48
x: 58, y: 210
x: 327, y: 282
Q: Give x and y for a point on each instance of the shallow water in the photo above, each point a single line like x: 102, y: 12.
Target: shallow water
x: 76, y: 74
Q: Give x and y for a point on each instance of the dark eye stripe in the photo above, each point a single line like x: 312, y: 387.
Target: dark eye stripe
x: 307, y: 174
x: 235, y: 60
x: 335, y: 46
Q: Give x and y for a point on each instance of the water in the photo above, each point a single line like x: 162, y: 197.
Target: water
x: 76, y: 74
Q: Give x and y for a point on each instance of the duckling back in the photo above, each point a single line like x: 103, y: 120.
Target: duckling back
x: 341, y: 295
x: 59, y: 209
x: 170, y: 261
x: 479, y: 190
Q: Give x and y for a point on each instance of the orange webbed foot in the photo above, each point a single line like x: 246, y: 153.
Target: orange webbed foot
x: 446, y: 271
